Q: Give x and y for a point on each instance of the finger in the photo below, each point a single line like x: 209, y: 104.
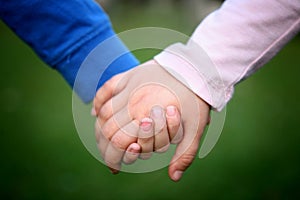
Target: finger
x: 114, y: 105
x: 186, y: 150
x: 209, y: 120
x: 145, y: 138
x: 102, y: 145
x: 119, y: 143
x: 116, y: 122
x: 98, y: 131
x: 112, y: 87
x: 93, y: 112
x: 102, y: 142
x: 174, y: 124
x: 161, y: 136
x: 132, y: 153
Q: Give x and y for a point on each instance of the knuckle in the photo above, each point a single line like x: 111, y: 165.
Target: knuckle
x: 113, y: 80
x: 98, y: 95
x: 186, y: 160
x: 104, y: 112
x: 106, y: 131
x: 107, y: 86
x: 118, y: 142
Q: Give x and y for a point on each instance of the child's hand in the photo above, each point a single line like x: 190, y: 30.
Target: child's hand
x: 163, y: 128
x: 128, y: 98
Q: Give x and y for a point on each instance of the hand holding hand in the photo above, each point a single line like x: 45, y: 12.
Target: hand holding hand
x: 128, y: 98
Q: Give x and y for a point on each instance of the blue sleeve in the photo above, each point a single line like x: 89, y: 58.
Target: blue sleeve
x: 63, y: 33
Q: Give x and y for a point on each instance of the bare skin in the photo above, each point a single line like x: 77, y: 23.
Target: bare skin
x: 131, y: 98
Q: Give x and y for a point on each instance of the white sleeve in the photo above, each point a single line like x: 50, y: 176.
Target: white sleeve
x: 231, y: 44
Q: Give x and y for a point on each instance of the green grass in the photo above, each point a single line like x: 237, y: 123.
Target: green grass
x: 42, y: 156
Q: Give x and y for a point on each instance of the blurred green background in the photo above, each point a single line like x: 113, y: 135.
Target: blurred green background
x: 42, y: 157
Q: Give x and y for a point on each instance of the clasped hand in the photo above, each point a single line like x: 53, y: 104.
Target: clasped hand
x: 143, y: 111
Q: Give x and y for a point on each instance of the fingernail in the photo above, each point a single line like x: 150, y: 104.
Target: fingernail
x: 134, y: 148
x: 157, y: 112
x: 171, y: 111
x: 177, y: 175
x: 146, y: 124
x: 93, y: 112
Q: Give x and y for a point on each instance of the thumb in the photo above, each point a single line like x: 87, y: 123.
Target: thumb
x: 185, y: 152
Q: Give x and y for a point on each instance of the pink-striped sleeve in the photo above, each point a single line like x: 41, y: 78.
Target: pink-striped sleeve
x: 230, y: 45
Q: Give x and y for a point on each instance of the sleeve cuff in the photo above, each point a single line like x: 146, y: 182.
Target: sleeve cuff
x: 95, y: 62
x: 191, y: 65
